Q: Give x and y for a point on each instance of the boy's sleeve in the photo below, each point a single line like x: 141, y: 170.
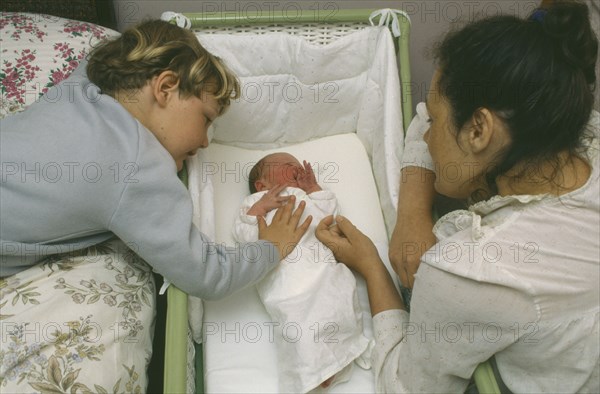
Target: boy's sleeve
x: 154, y: 217
x: 416, y: 153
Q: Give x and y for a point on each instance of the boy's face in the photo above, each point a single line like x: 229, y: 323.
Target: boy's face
x: 279, y: 169
x: 185, y: 126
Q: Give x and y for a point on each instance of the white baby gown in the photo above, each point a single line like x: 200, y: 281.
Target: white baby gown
x: 313, y: 299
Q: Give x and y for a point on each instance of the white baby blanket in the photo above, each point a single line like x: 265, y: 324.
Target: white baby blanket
x: 309, y: 292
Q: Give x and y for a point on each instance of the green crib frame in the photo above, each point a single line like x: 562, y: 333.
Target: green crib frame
x: 175, y: 369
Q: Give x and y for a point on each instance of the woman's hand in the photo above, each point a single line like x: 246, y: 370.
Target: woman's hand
x: 269, y: 201
x: 306, y: 179
x: 284, y: 232
x: 348, y: 244
x: 357, y: 251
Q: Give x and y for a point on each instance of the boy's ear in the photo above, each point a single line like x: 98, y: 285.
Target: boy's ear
x: 164, y: 86
x: 482, y: 130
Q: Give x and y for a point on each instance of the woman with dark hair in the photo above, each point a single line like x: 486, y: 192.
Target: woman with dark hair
x: 515, y: 277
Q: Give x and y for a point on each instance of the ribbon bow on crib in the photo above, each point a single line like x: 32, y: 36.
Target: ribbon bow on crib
x: 389, y: 16
x: 180, y: 19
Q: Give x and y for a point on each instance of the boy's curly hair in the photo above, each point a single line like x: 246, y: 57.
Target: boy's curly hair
x: 128, y: 62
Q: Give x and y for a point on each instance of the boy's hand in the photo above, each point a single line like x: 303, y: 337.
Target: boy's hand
x: 306, y: 179
x: 284, y: 231
x: 269, y: 201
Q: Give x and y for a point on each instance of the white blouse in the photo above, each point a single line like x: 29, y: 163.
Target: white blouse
x: 516, y: 277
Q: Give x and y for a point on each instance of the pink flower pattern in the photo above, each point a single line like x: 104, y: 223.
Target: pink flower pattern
x: 37, y: 52
x: 79, y: 29
x: 22, y: 23
x: 70, y: 61
x: 13, y: 77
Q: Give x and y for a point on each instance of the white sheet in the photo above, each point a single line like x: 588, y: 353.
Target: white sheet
x: 239, y: 348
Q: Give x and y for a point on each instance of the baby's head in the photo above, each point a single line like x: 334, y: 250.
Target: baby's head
x: 272, y: 170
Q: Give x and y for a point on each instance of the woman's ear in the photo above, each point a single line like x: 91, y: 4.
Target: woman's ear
x: 164, y: 86
x: 482, y: 130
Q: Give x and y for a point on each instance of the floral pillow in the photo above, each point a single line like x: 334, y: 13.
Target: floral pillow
x: 37, y: 52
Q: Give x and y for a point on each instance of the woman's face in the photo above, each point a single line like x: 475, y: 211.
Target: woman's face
x: 455, y: 167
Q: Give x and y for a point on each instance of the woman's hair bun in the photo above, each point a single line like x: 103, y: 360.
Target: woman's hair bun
x: 567, y: 22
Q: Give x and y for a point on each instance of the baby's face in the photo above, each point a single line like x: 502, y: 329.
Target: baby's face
x: 280, y: 169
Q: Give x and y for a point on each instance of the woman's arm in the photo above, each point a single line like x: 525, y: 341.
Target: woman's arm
x: 449, y: 331
x: 413, y: 234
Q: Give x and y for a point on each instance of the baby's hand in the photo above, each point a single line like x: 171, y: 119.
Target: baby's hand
x: 269, y: 201
x: 306, y: 179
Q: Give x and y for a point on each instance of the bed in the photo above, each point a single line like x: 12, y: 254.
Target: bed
x: 356, y: 100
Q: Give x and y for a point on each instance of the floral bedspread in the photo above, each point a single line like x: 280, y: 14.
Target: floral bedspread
x: 103, y: 340
x: 37, y: 52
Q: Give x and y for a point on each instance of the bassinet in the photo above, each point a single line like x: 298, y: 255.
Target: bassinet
x: 383, y: 144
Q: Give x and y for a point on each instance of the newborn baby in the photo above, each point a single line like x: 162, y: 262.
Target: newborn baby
x: 309, y: 293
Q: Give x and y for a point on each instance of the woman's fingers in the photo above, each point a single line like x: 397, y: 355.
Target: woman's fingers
x: 348, y: 243
x: 324, y: 232
x: 342, y: 229
x: 346, y: 227
x: 334, y: 238
x: 325, y: 223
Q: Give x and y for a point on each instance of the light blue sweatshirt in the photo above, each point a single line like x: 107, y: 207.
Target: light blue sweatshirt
x: 76, y: 169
